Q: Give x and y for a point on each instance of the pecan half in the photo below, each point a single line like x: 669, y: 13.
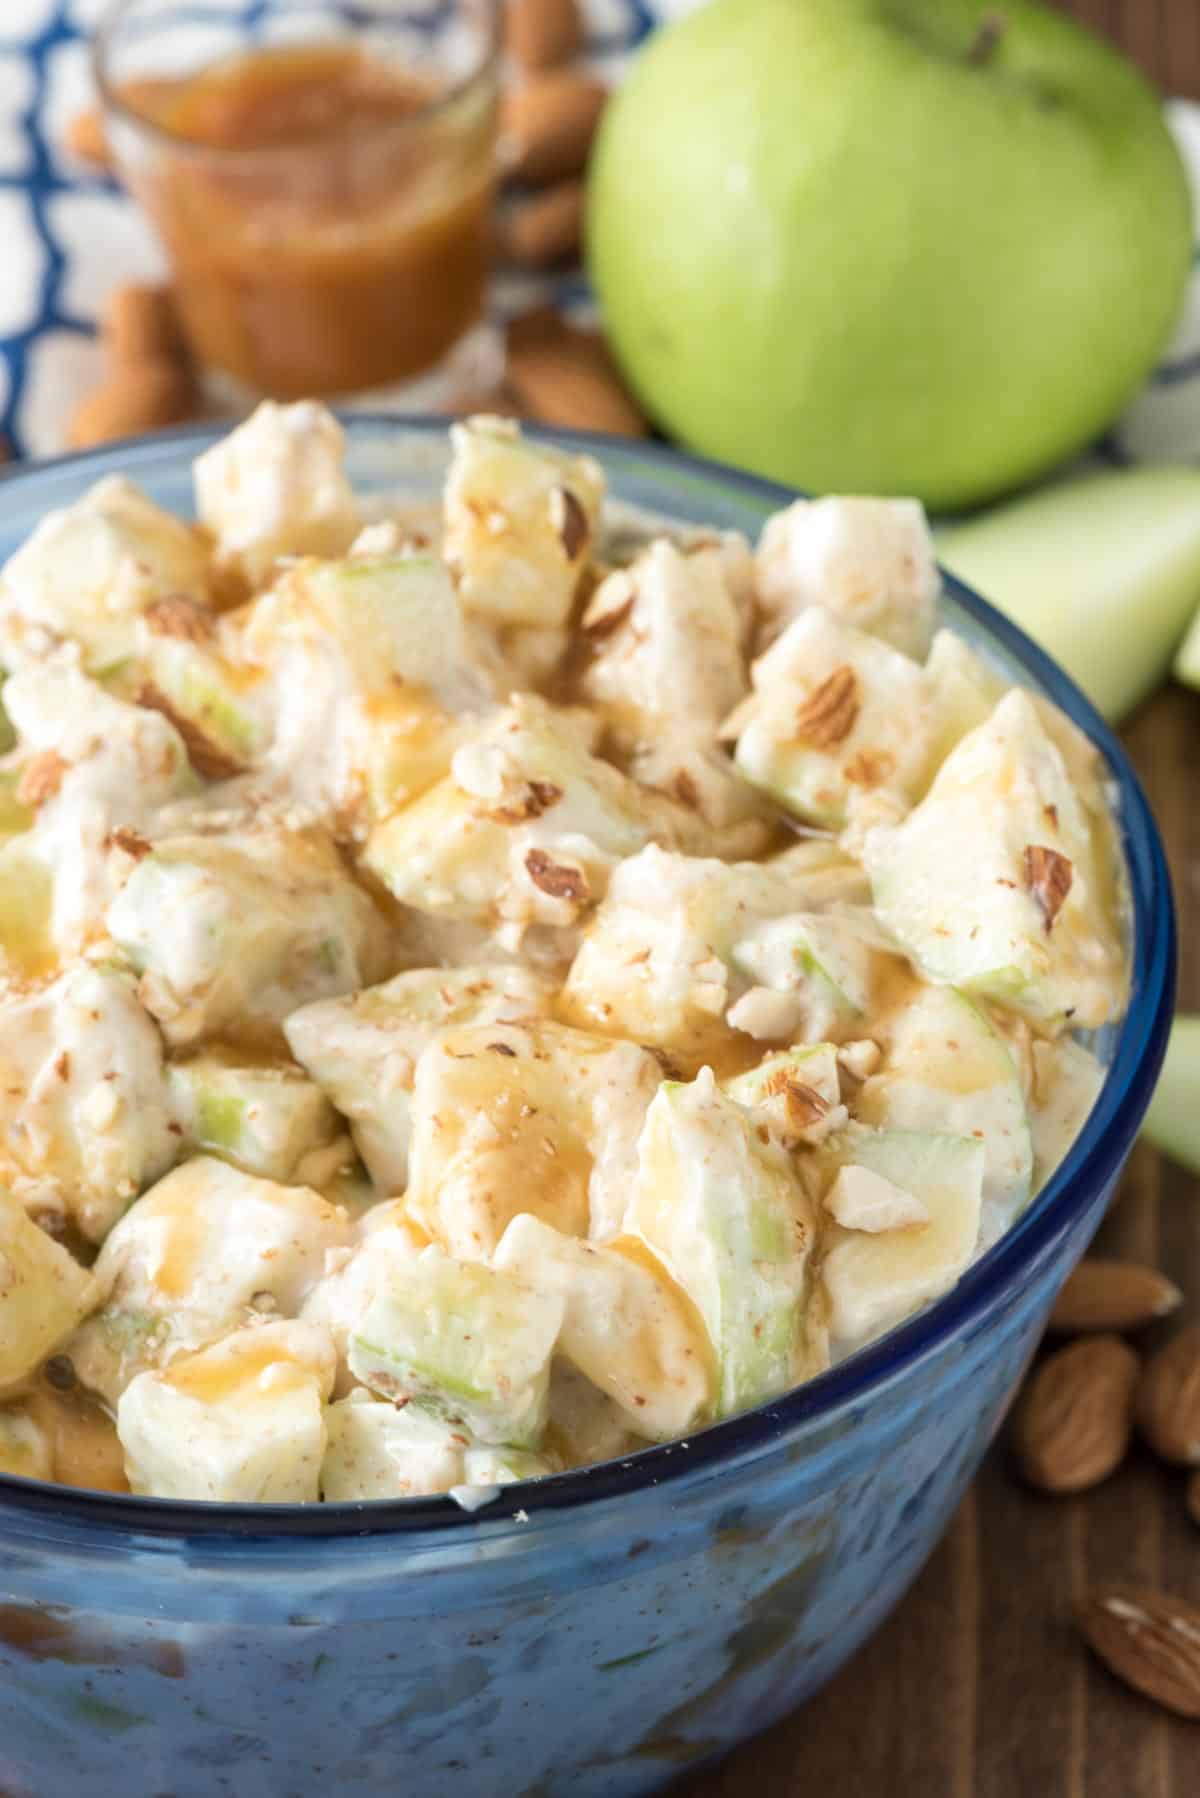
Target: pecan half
x: 1048, y: 875
x: 207, y: 758
x: 559, y: 879
x: 41, y: 777
x: 828, y: 714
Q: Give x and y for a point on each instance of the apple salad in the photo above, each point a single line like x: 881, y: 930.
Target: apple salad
x: 489, y: 990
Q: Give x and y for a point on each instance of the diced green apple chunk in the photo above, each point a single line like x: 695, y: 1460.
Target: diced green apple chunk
x: 205, y: 1250
x: 527, y: 826
x: 89, y: 571
x: 520, y: 521
x: 1002, y: 880
x: 626, y: 1325
x: 824, y: 963
x: 84, y: 1121
x: 870, y: 561
x: 264, y: 1119
x: 43, y: 1292
x: 1066, y: 1084
x: 235, y: 933
x: 532, y: 1117
x: 238, y: 1423
x: 276, y: 486
x: 469, y: 1344
x: 491, y: 1464
x: 835, y: 715
x: 726, y: 1216
x: 947, y: 1068
x: 374, y: 1450
x: 655, y: 965
x: 874, y: 1280
x: 363, y: 1049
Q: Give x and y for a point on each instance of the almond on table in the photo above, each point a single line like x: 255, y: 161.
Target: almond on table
x: 1149, y: 1639
x: 562, y: 375
x: 547, y: 125
x: 421, y: 1005
x: 143, y: 396
x: 87, y: 138
x: 1168, y: 1399
x: 1112, y: 1295
x: 141, y: 324
x: 541, y: 34
x: 1074, y: 1419
x: 546, y: 228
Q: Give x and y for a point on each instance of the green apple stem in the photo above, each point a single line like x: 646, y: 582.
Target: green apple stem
x: 991, y: 29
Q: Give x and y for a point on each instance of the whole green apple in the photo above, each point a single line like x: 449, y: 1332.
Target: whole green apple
x: 892, y: 246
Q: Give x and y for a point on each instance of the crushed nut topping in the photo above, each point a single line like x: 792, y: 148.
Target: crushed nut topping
x: 209, y: 760
x: 41, y: 777
x: 684, y: 788
x: 131, y: 841
x: 179, y: 616
x: 559, y: 879
x: 803, y: 1104
x: 828, y: 714
x: 870, y: 768
x: 536, y: 797
x: 1048, y: 875
x: 570, y: 521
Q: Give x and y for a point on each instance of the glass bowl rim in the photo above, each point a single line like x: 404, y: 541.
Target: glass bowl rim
x: 1093, y: 1159
x: 484, y: 68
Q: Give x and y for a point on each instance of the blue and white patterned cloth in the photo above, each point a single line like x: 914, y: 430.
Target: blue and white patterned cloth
x: 68, y: 235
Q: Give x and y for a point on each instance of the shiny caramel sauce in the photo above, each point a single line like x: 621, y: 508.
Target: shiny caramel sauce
x: 84, y: 1445
x: 338, y: 239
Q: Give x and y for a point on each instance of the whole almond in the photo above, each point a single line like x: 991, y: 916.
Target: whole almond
x: 547, y: 228
x: 1112, y: 1295
x: 564, y: 376
x: 547, y: 125
x: 1167, y: 1406
x: 541, y: 34
x: 1148, y: 1639
x: 141, y: 324
x: 87, y: 138
x: 1074, y: 1418
x: 144, y: 396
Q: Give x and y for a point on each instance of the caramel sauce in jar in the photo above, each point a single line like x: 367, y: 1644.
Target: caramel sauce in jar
x: 327, y: 213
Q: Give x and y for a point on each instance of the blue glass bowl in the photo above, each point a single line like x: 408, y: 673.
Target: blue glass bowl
x: 592, y: 1633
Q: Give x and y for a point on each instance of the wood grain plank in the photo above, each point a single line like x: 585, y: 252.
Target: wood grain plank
x: 1163, y: 36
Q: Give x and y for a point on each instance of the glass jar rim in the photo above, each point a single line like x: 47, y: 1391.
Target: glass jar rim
x: 484, y: 69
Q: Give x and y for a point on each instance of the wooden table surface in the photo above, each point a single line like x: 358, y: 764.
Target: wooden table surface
x: 978, y: 1686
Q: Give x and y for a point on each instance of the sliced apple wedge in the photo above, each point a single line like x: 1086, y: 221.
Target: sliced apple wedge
x: 1103, y: 572
x: 1173, y: 1120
